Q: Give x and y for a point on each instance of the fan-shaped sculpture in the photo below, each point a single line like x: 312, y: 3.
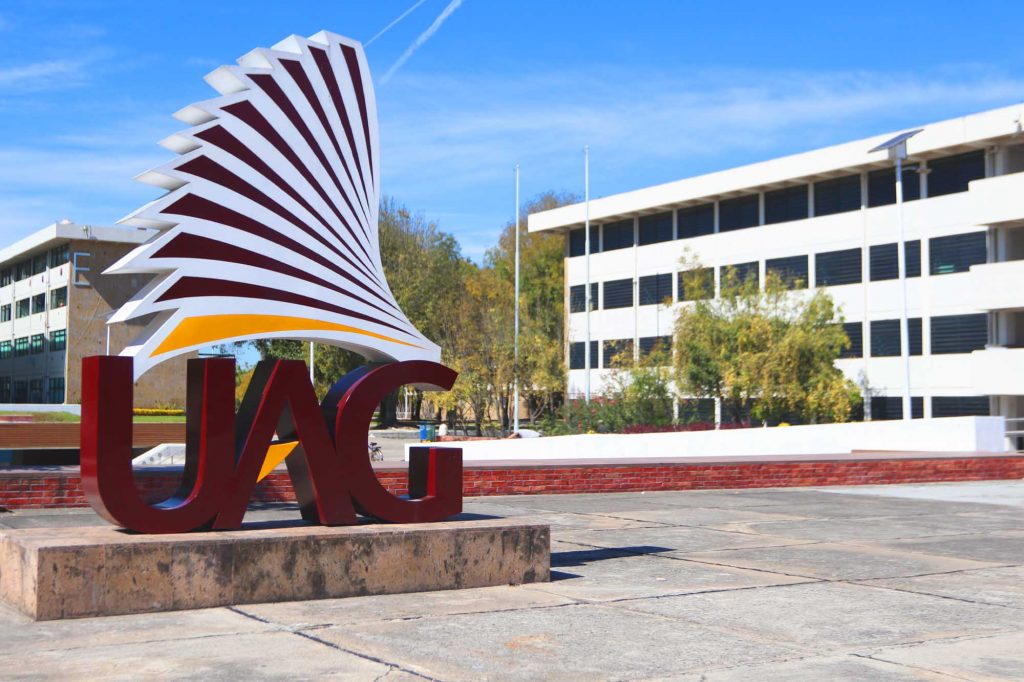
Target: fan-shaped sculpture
x: 269, y: 225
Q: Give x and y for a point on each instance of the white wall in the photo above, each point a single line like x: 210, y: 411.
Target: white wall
x: 951, y: 434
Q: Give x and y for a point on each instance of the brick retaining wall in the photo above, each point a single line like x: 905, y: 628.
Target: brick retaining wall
x: 61, y: 486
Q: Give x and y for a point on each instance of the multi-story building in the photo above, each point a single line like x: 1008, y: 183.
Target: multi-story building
x: 829, y: 218
x: 54, y: 304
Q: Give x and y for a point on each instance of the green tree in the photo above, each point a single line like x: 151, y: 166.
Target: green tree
x: 770, y: 354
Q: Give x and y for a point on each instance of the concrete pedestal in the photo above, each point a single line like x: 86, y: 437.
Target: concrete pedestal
x: 53, y: 573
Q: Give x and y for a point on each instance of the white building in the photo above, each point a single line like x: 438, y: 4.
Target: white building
x: 829, y: 217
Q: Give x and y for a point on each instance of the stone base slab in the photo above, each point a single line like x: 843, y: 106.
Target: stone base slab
x: 54, y: 573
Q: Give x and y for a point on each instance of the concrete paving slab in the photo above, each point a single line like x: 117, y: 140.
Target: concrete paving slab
x: 1005, y: 493
x: 712, y: 517
x: 883, y: 528
x: 816, y: 669
x: 1004, y: 547
x: 605, y: 575
x: 989, y: 658
x: 584, y: 642
x: 998, y: 586
x: 864, y: 507
x: 313, y: 614
x: 597, y: 502
x: 20, y: 635
x: 833, y: 616
x: 267, y: 655
x: 678, y: 539
x: 833, y: 561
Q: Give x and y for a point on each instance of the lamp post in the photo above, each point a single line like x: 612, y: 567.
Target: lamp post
x: 586, y: 289
x: 515, y: 360
x: 897, y: 150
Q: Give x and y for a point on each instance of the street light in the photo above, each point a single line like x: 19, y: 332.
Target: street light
x: 897, y: 149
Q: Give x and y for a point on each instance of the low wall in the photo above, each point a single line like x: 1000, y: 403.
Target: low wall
x: 62, y: 487
x: 949, y: 434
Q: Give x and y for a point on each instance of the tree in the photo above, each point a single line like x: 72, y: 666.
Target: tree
x: 769, y: 354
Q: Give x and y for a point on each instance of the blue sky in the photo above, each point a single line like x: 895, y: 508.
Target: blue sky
x: 659, y: 90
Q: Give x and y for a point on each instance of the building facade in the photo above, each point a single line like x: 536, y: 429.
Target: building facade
x: 829, y: 218
x: 54, y: 303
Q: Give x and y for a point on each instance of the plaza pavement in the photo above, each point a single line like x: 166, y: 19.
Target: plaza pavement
x: 873, y: 583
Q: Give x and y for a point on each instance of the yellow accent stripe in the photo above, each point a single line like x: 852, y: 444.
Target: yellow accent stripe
x: 275, y: 455
x: 207, y: 329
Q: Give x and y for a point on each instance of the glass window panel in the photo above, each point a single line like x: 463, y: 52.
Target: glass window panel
x: 577, y: 300
x: 696, y: 221
x: 655, y: 228
x: 891, y: 407
x: 792, y: 270
x: 696, y: 285
x: 58, y: 340
x: 837, y: 196
x: 736, y: 214
x: 957, y: 253
x: 655, y: 289
x: 959, y: 333
x: 834, y: 268
x: 617, y: 235
x: 649, y: 343
x: 618, y: 294
x: 576, y: 358
x: 960, y: 406
x: 783, y: 205
x: 882, y: 186
x: 617, y: 353
x: 855, y: 332
x: 577, y: 241
x: 953, y: 173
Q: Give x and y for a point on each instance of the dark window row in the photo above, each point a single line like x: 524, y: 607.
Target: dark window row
x: 34, y: 266
x: 884, y: 260
x: 31, y: 345
x: 946, y: 175
x: 615, y: 352
x: 35, y: 304
x: 655, y: 289
x: 31, y: 391
x: 949, y: 334
x: 891, y: 407
x: 577, y: 298
x: 577, y: 359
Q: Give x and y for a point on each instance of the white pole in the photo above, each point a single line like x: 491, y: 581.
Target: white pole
x: 108, y: 338
x: 515, y: 364
x: 311, y: 362
x: 901, y: 249
x: 586, y: 294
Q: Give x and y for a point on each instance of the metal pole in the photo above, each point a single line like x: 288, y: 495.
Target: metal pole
x: 311, y: 362
x: 586, y: 243
x: 901, y: 249
x: 107, y: 325
x: 515, y: 364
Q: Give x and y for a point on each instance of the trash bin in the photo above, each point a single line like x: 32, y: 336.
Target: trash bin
x: 431, y: 433
x: 423, y: 431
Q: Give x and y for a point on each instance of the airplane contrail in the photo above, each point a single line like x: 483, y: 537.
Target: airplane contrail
x: 424, y: 37
x: 387, y: 28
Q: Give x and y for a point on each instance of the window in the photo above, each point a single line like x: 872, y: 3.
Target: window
x: 882, y: 186
x: 957, y: 253
x: 742, y: 272
x: 959, y: 333
x: 696, y: 221
x: 23, y: 270
x: 783, y: 205
x: 655, y: 289
x: 576, y: 358
x: 5, y: 277
x: 697, y: 410
x: 837, y: 196
x: 855, y: 332
x: 891, y: 407
x: 885, y: 337
x: 618, y: 294
x: 792, y: 270
x: 655, y: 228
x: 736, y: 214
x: 883, y: 261
x: 648, y: 344
x: 39, y: 303
x: 616, y: 353
x: 36, y: 344
x: 951, y: 174
x: 21, y: 346
x: 5, y: 312
x: 39, y: 264
x: 833, y: 268
x: 578, y: 241
x: 5, y: 390
x: 960, y: 406
x: 577, y: 297
x: 56, y: 390
x: 21, y: 308
x: 5, y: 351
x: 20, y: 392
x: 695, y: 285
x: 58, y: 298
x: 617, y: 235
x: 35, y: 391
x: 59, y: 256
x: 58, y: 340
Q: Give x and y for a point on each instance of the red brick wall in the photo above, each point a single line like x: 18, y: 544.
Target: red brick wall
x: 62, y: 487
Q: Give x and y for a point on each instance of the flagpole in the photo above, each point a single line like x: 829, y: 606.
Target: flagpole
x: 586, y: 242
x: 515, y: 363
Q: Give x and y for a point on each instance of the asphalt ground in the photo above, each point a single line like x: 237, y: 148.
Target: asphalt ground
x: 899, y: 582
